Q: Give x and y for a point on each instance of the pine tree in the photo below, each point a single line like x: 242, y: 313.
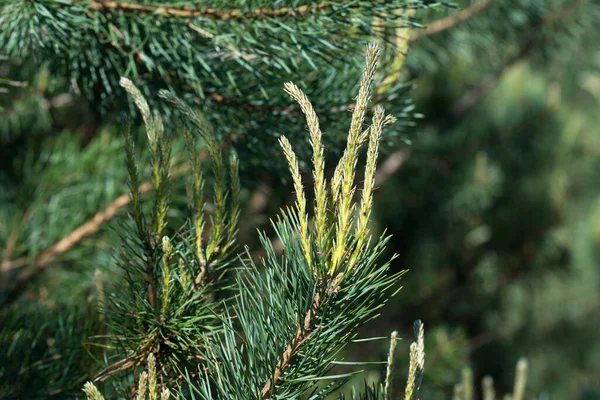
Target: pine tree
x: 489, y: 207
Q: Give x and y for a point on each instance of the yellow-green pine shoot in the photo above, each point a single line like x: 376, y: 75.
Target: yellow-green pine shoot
x: 417, y: 364
x: 318, y: 161
x: 369, y: 183
x: 489, y: 393
x: 99, y: 290
x: 390, y: 366
x: 163, y: 158
x: 300, y: 197
x: 184, y: 276
x: 92, y: 392
x: 141, y: 104
x: 412, y: 373
x: 234, y: 216
x: 194, y: 189
x: 152, y: 393
x: 168, y: 273
x: 343, y: 179
x: 458, y: 392
x: 467, y: 383
x: 160, y: 153
x: 520, y: 380
x: 402, y: 39
x: 143, y: 386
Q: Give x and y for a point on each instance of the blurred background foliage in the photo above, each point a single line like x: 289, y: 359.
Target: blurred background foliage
x: 489, y: 183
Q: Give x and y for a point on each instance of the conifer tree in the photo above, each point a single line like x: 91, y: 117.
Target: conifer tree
x: 493, y: 207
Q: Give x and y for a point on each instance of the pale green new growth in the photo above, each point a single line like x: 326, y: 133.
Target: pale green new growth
x: 467, y: 383
x: 390, y: 366
x: 300, y: 197
x: 333, y: 221
x: 147, y: 385
x: 141, y: 103
x: 143, y: 385
x: 369, y: 184
x: 152, y: 393
x: 168, y: 272
x: 160, y: 152
x: 464, y: 390
x: 318, y: 161
x: 417, y: 363
x: 458, y: 392
x: 488, y: 388
x: 343, y: 179
x: 217, y: 242
x: 520, y: 380
x: 91, y: 392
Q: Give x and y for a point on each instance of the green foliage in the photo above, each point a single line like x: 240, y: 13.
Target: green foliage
x: 229, y: 57
x: 281, y: 333
x: 220, y: 47
x: 493, y: 207
x: 165, y: 303
x: 45, y: 360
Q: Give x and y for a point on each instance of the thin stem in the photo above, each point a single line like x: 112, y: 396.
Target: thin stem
x: 451, y: 21
x: 208, y: 13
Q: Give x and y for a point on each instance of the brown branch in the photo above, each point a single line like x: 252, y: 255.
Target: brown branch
x: 87, y: 229
x: 209, y: 13
x: 563, y: 12
x: 65, y: 244
x: 391, y: 165
x: 304, y: 333
x: 452, y: 20
x: 83, y: 231
x: 472, y: 97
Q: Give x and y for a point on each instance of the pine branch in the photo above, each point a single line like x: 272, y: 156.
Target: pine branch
x: 340, y: 261
x: 563, y: 12
x: 473, y: 96
x: 47, y: 257
x: 208, y: 13
x: 304, y: 333
x: 452, y: 20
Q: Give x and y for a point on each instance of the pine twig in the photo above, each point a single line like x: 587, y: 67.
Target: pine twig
x: 304, y: 333
x: 72, y: 239
x: 208, y: 13
x: 452, y: 20
x: 88, y: 228
x: 473, y: 96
